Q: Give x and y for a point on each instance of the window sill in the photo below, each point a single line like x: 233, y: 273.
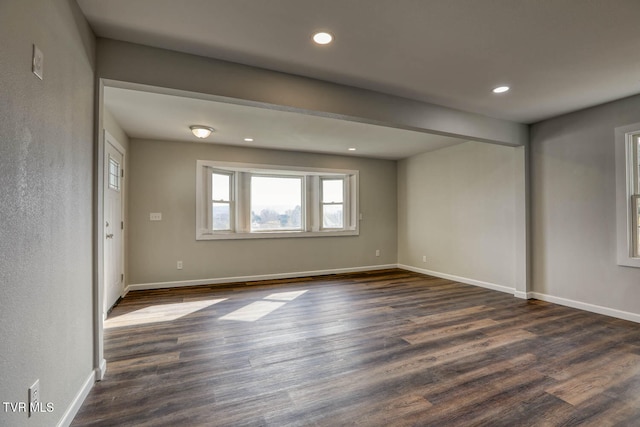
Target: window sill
x: 206, y: 235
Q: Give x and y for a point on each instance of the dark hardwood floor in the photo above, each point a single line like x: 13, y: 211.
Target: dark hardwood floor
x: 385, y: 348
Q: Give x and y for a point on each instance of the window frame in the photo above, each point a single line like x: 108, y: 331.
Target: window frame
x: 343, y: 203
x: 241, y: 194
x: 230, y: 202
x: 627, y: 142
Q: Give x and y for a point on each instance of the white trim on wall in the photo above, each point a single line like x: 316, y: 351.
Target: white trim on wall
x: 612, y: 312
x: 235, y: 279
x: 492, y: 286
x: 77, y: 401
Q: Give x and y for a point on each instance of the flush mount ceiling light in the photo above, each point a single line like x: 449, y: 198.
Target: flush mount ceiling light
x: 351, y: 149
x: 501, y: 89
x: 201, y: 131
x: 248, y: 139
x: 322, y: 38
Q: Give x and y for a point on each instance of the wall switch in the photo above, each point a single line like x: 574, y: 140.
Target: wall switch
x: 34, y: 396
x: 179, y: 265
x: 37, y: 65
x: 360, y: 216
x: 155, y: 216
x: 377, y: 252
x: 424, y: 258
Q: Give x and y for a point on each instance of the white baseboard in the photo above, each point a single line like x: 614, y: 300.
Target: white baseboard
x: 625, y: 315
x: 466, y: 280
x: 292, y: 275
x: 523, y: 295
x: 73, y: 409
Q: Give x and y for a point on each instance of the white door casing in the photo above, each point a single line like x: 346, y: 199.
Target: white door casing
x: 114, y: 157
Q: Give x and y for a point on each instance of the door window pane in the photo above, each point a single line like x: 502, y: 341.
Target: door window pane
x: 114, y: 174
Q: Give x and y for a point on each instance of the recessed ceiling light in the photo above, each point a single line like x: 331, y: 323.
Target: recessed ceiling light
x: 501, y: 89
x: 248, y: 139
x: 351, y: 149
x: 201, y: 131
x: 322, y: 38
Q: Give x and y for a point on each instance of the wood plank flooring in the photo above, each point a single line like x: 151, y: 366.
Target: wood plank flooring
x: 384, y: 348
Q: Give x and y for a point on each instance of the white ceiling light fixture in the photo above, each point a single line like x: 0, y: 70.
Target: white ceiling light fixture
x: 322, y: 38
x: 501, y: 89
x: 351, y: 149
x: 248, y: 140
x: 201, y: 131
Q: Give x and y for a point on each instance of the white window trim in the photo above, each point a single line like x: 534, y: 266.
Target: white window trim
x: 625, y: 221
x: 241, y: 196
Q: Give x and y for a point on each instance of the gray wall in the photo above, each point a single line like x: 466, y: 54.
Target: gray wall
x: 162, y: 179
x: 574, y: 208
x: 457, y: 206
x: 46, y: 164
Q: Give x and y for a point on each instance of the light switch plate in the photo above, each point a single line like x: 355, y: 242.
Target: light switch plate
x: 38, y: 63
x: 155, y: 216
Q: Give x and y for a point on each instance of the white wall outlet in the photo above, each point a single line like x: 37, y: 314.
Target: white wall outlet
x: 34, y: 396
x: 37, y: 65
x: 424, y: 258
x: 155, y: 216
x: 179, y: 265
x: 377, y: 252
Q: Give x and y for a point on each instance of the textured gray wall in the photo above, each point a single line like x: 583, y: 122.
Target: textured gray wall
x: 574, y: 208
x: 46, y: 163
x: 162, y: 179
x: 457, y: 206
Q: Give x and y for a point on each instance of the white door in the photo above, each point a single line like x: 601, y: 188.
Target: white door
x: 113, y: 222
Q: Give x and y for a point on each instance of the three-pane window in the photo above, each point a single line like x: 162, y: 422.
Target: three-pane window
x: 255, y: 201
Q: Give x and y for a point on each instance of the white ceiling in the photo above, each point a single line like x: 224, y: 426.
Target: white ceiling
x: 149, y: 115
x: 557, y: 55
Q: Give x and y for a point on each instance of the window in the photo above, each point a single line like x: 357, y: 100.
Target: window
x: 243, y: 201
x: 114, y: 174
x: 276, y: 203
x: 628, y: 195
x: 332, y: 203
x: 635, y: 194
x: 221, y: 204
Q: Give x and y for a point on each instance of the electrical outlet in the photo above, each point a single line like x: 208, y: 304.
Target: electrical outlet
x: 179, y: 265
x: 377, y: 252
x: 34, y: 396
x: 424, y: 258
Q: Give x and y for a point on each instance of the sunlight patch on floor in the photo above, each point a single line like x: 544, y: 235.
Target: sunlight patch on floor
x: 259, y: 309
x: 254, y: 311
x: 159, y: 313
x: 286, y: 296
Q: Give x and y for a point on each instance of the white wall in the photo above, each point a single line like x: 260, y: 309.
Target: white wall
x: 46, y: 166
x: 574, y: 209
x: 162, y: 179
x: 457, y: 206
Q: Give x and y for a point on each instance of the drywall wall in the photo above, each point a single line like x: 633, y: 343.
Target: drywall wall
x: 46, y: 175
x: 574, y: 208
x: 162, y: 179
x: 457, y: 207
x: 132, y: 63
